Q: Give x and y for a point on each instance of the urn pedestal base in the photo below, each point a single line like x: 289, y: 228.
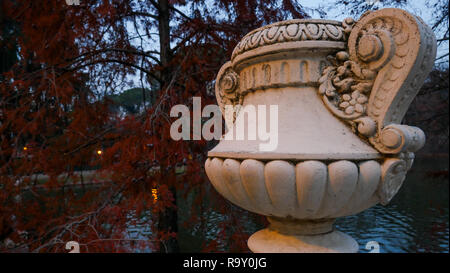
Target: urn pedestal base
x: 279, y: 238
x: 271, y: 240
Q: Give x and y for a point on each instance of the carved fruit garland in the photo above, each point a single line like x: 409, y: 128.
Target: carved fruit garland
x: 345, y: 87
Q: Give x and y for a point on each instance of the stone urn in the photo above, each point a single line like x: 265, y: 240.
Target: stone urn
x: 341, y: 91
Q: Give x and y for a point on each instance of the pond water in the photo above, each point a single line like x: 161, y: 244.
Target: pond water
x: 416, y: 220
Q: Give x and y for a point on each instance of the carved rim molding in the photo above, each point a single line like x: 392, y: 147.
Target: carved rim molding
x: 293, y: 31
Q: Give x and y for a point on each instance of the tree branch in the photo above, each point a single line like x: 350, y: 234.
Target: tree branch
x: 141, y: 13
x: 180, y: 12
x: 134, y: 52
x: 115, y: 61
x: 442, y: 56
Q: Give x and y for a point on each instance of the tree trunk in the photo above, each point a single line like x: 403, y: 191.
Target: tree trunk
x: 164, y: 32
x: 168, y: 219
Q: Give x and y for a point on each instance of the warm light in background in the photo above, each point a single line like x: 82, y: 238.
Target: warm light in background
x: 99, y: 152
x: 155, y: 195
x: 25, y: 148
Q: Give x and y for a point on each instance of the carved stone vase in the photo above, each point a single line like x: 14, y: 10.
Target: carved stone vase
x: 342, y: 89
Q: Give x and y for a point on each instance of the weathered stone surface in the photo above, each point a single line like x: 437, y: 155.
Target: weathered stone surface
x: 342, y: 89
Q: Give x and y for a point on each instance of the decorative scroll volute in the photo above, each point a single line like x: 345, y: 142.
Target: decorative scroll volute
x: 226, y: 88
x: 390, y: 53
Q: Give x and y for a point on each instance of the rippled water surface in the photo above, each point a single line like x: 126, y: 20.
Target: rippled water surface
x: 416, y: 220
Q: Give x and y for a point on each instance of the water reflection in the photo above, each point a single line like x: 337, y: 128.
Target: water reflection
x: 416, y: 220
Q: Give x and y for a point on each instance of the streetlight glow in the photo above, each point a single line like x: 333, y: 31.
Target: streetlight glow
x: 155, y: 194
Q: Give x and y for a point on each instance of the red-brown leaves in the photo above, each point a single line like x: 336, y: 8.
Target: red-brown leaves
x: 55, y: 101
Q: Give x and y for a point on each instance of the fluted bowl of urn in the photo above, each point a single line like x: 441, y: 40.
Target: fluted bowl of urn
x: 303, y: 198
x: 341, y: 90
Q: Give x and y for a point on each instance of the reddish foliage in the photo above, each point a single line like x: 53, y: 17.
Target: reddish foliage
x: 60, y: 65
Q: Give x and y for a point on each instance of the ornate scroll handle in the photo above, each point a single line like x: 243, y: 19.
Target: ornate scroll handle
x: 227, y: 93
x: 390, y: 53
x: 406, y: 56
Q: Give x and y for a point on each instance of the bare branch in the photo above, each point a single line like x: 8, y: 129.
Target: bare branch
x: 442, y: 56
x: 134, y: 52
x: 180, y: 12
x: 115, y: 61
x: 140, y: 13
